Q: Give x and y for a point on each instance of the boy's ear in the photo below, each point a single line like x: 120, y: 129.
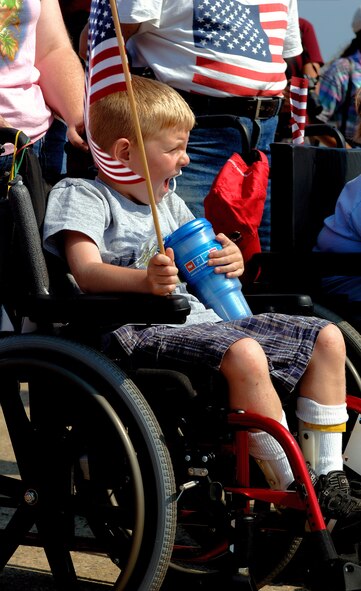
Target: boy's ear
x: 120, y: 150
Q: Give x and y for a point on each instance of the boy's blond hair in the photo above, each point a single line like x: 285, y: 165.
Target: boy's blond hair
x: 159, y: 107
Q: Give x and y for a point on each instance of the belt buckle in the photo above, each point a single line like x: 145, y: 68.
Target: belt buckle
x: 258, y: 108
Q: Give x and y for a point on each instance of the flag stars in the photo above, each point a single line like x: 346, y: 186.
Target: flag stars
x: 230, y: 27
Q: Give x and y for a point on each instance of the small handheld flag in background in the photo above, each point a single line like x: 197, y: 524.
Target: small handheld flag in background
x: 298, y: 107
x: 107, y: 71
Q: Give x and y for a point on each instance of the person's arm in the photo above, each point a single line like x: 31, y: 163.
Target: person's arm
x: 3, y: 122
x: 312, y: 69
x: 61, y: 72
x: 312, y: 57
x: 94, y: 276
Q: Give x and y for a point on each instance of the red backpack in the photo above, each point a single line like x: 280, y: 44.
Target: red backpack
x: 235, y: 202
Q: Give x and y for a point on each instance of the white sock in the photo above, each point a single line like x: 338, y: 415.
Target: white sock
x: 271, y: 458
x: 328, y: 456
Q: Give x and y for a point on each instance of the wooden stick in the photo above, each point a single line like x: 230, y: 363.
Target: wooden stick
x: 138, y: 131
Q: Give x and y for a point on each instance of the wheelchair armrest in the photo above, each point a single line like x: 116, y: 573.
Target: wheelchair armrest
x: 105, y: 309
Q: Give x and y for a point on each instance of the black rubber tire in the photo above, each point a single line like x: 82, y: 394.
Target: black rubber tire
x: 91, y: 389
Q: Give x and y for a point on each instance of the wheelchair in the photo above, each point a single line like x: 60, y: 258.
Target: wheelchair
x: 167, y: 492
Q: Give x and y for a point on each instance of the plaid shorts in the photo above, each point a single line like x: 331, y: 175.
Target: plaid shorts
x: 287, y: 341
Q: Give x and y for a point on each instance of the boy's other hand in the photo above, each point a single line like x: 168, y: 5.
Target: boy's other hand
x: 162, y: 274
x: 229, y: 260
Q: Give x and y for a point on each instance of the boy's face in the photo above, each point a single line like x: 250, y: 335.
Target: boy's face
x: 166, y: 155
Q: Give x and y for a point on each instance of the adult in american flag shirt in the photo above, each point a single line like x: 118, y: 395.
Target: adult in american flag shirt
x: 223, y: 55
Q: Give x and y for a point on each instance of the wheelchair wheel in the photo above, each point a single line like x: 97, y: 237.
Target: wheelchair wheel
x: 95, y: 475
x: 353, y: 347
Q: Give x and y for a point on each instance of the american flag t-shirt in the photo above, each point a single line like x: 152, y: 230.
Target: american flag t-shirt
x: 104, y: 75
x: 251, y: 34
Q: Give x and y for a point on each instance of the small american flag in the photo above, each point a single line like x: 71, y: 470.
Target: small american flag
x: 254, y: 31
x: 104, y: 75
x: 298, y: 108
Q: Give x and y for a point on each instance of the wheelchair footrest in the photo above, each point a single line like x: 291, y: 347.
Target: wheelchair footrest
x: 336, y: 575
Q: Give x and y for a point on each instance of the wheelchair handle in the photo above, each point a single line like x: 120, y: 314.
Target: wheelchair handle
x: 320, y: 129
x: 8, y: 136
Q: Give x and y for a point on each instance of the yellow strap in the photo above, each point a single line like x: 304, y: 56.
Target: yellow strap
x: 341, y: 428
x: 12, y: 172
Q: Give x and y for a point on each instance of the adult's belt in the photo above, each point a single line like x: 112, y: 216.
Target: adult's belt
x: 252, y: 107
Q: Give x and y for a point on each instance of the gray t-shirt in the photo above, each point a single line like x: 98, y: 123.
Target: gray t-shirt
x: 122, y: 230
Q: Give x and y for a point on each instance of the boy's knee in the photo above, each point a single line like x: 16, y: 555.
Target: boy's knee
x: 330, y: 342
x: 246, y: 355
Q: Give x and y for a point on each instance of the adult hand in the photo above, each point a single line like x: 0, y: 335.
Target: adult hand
x: 74, y: 134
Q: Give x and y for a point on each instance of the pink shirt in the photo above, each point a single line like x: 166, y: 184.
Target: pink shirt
x: 21, y: 100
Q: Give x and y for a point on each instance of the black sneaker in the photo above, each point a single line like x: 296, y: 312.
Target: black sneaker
x: 334, y: 496
x: 313, y: 477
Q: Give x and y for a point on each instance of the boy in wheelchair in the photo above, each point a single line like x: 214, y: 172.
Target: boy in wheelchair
x: 105, y: 230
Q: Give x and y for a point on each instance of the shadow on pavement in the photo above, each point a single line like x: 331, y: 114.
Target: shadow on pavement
x: 15, y: 578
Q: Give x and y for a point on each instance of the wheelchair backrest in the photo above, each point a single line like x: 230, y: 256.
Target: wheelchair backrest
x: 306, y: 182
x: 23, y: 268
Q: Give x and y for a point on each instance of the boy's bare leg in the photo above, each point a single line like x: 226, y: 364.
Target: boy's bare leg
x: 250, y: 387
x: 324, y: 381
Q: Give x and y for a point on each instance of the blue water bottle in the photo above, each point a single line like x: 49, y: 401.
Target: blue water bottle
x: 192, y: 244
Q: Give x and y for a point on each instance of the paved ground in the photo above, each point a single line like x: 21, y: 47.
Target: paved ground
x: 28, y: 569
